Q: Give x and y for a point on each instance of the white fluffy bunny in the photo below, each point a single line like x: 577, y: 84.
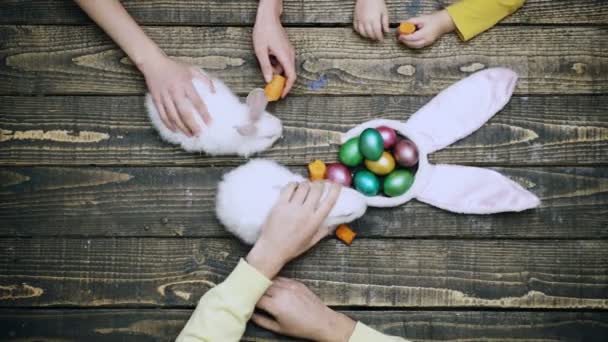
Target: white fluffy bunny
x: 247, y: 194
x: 236, y: 127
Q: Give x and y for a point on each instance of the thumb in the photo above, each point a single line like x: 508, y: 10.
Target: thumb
x: 385, y: 26
x: 265, y: 65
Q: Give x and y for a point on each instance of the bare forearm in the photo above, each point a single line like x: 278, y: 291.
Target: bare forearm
x: 112, y: 17
x: 270, y: 8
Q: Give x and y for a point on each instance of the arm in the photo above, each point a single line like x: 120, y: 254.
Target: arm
x: 473, y: 17
x: 169, y: 82
x: 271, y: 44
x: 292, y: 227
x: 296, y: 311
x: 468, y: 17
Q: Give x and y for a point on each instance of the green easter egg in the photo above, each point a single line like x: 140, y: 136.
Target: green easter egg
x: 398, y: 182
x: 371, y: 144
x: 350, y: 154
x: 366, y: 183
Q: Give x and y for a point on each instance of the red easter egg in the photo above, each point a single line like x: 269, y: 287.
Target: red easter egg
x: 406, y: 153
x: 339, y: 173
x: 389, y: 136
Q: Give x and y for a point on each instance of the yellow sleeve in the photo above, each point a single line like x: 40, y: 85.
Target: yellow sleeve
x: 223, y: 312
x: 363, y: 333
x: 472, y: 17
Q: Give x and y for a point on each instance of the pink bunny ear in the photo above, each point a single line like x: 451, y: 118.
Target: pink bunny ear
x: 462, y: 108
x: 472, y: 190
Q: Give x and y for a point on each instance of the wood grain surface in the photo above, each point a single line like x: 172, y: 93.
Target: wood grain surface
x: 100, y: 130
x: 155, y: 272
x: 164, y: 325
x: 174, y: 202
x: 296, y: 12
x: 82, y: 60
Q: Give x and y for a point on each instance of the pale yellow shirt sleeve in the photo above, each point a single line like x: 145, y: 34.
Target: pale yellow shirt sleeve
x: 222, y: 313
x: 472, y: 17
x: 363, y: 333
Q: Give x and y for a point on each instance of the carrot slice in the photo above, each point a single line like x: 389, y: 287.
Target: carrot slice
x: 407, y: 28
x: 345, y: 234
x: 274, y: 89
x: 316, y: 170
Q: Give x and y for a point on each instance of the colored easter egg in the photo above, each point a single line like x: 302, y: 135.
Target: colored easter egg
x: 389, y: 136
x: 398, y: 182
x: 371, y: 144
x: 367, y: 183
x: 383, y: 166
x: 350, y: 155
x: 338, y: 173
x: 406, y: 153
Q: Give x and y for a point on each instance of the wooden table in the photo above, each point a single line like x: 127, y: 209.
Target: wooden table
x: 108, y: 234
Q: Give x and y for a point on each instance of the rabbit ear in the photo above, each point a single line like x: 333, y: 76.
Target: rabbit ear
x: 473, y: 190
x: 462, y: 108
x: 257, y: 102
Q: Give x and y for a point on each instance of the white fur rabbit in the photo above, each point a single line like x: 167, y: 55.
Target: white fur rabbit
x: 247, y: 194
x: 236, y: 127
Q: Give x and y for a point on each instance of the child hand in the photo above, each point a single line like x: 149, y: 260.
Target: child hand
x: 171, y: 88
x: 371, y: 19
x: 296, y: 311
x: 293, y: 226
x: 429, y: 29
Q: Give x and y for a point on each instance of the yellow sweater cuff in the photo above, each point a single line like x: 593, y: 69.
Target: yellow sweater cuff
x: 245, y: 284
x: 363, y: 333
x: 472, y: 17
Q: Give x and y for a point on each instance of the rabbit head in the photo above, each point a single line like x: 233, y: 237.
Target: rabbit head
x: 453, y: 114
x: 235, y: 128
x: 247, y: 194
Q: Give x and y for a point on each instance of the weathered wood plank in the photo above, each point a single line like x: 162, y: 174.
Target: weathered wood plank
x: 167, y: 202
x: 193, y: 12
x: 82, y: 60
x: 84, y: 130
x: 388, y: 273
x: 165, y: 325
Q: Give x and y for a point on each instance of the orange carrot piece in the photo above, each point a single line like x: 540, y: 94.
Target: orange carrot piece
x: 316, y: 170
x: 274, y: 89
x: 345, y: 234
x: 407, y: 28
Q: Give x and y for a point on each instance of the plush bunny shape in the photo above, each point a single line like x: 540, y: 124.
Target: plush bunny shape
x: 247, y: 194
x: 453, y: 114
x: 236, y: 127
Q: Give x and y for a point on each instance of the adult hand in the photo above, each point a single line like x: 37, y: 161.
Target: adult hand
x: 296, y: 311
x: 171, y: 88
x: 371, y: 19
x: 271, y: 45
x: 293, y: 226
x: 429, y: 29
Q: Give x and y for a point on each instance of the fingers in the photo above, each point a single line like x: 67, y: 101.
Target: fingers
x: 266, y: 303
x: 329, y: 202
x: 264, y: 60
x: 163, y: 114
x: 377, y: 27
x: 287, y: 62
x: 199, y: 105
x: 287, y: 193
x: 316, y: 191
x: 266, y: 323
x: 385, y: 23
x: 201, y: 75
x: 185, y: 113
x: 415, y: 44
x: 172, y: 114
x: 301, y: 193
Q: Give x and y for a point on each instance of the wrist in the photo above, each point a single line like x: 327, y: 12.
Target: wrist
x: 340, y: 327
x: 446, y: 23
x: 149, y: 59
x: 265, y: 262
x: 270, y: 9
